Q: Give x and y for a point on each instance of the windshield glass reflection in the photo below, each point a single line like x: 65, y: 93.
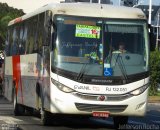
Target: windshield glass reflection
x: 91, y: 46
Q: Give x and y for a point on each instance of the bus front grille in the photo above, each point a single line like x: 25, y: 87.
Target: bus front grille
x: 95, y: 107
x: 108, y: 97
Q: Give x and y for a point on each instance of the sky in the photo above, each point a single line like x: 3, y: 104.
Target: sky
x: 30, y: 5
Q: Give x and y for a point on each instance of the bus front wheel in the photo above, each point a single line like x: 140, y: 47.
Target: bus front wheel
x: 120, y: 121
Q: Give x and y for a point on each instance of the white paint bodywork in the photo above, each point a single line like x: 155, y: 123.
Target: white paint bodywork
x: 65, y: 102
x: 88, y: 10
x: 61, y: 102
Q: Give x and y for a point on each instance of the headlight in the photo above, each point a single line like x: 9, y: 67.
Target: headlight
x: 139, y: 90
x: 62, y: 87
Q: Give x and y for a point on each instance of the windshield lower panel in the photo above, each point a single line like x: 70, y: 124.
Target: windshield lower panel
x: 98, y: 47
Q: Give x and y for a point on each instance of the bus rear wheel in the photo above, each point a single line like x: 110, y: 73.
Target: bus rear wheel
x: 18, y: 109
x: 120, y: 121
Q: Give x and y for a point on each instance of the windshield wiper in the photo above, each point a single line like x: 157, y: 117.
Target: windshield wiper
x: 121, y: 66
x: 82, y: 71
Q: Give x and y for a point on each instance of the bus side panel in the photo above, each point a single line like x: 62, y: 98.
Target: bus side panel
x: 29, y: 76
x: 17, y: 78
x: 33, y: 72
x: 8, y: 84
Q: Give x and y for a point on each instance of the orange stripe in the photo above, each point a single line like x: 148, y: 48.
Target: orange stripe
x: 17, y: 73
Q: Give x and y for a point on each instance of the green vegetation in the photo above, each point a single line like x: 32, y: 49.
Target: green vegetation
x: 7, y: 14
x: 154, y: 71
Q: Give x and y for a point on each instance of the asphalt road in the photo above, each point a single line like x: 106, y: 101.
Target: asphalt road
x: 28, y: 122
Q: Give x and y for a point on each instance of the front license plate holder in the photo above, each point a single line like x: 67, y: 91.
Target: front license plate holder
x: 100, y: 114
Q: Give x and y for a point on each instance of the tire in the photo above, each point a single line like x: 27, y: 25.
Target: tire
x: 18, y: 109
x: 120, y: 120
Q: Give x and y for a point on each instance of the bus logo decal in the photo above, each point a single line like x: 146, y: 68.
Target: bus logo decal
x: 102, y: 98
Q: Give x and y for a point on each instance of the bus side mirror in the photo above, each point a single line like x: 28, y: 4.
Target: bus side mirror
x: 47, y: 26
x: 152, y: 41
x: 54, y: 35
x: 152, y: 38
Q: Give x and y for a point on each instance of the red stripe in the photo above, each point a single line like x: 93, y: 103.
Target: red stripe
x: 17, y: 73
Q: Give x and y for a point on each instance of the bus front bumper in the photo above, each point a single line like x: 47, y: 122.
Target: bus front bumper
x: 68, y: 103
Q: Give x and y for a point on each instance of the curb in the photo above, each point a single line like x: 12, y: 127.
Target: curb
x: 154, y: 101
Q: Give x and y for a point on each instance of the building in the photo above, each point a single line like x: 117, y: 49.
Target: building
x: 145, y: 9
x: 156, y: 28
x: 129, y: 3
x: 155, y: 21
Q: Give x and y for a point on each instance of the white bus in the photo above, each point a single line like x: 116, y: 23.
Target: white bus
x: 63, y: 59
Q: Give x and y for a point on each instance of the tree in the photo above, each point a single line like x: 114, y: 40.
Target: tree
x: 3, y: 25
x: 154, y: 71
x: 7, y: 14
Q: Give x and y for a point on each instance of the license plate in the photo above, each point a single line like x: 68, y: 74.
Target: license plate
x: 100, y: 114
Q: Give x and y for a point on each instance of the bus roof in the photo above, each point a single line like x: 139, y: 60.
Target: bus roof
x: 88, y: 10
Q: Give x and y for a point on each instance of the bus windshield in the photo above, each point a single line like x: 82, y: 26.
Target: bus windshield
x: 100, y: 47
